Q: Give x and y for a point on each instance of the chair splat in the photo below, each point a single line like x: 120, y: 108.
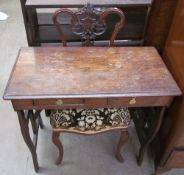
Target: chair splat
x: 88, y: 23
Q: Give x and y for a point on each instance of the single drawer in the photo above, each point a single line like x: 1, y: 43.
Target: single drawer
x: 59, y: 102
x: 176, y: 159
x: 139, y: 101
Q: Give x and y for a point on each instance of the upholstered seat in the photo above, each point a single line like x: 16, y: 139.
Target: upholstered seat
x: 90, y: 120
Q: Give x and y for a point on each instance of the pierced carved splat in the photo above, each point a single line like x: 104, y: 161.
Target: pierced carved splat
x: 88, y: 23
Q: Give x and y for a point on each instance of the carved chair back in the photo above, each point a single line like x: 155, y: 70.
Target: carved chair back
x: 89, y: 22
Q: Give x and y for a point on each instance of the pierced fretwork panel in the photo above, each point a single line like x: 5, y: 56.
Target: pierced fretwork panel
x: 88, y: 23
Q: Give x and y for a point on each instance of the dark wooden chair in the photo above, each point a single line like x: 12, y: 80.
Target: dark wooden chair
x: 89, y: 23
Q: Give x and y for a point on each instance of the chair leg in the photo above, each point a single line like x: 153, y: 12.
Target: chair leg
x: 41, y: 122
x: 47, y: 112
x: 123, y: 139
x: 58, y: 144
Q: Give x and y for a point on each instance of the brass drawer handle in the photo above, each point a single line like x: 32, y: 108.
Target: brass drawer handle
x: 59, y: 102
x: 132, y: 101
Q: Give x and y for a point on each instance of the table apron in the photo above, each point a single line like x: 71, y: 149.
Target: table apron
x: 74, y: 103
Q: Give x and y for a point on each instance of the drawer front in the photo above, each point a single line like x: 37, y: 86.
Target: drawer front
x: 139, y: 101
x: 176, y: 159
x: 59, y: 102
x: 70, y: 103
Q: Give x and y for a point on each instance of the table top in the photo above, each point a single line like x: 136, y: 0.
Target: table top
x: 83, y: 72
x: 74, y: 3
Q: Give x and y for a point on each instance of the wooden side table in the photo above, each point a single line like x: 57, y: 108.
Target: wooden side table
x: 90, y: 77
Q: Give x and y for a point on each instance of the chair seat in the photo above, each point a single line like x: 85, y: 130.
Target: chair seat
x: 90, y: 120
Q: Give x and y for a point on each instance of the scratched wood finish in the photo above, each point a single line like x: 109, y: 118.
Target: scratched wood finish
x: 54, y: 72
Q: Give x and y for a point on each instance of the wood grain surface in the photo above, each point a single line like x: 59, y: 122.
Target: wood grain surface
x: 76, y: 72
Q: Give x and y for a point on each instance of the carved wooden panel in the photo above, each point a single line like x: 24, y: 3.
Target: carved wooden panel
x: 88, y: 23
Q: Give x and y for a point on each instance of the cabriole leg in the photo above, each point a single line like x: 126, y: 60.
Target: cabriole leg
x: 123, y: 139
x: 58, y: 144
